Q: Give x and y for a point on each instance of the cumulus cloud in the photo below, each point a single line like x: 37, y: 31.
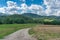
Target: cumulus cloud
x: 53, y: 7
x: 12, y: 8
x: 11, y: 3
x: 37, y: 9
x: 24, y: 8
x: 2, y: 10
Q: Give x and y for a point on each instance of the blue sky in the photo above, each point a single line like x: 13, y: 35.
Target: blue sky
x: 28, y: 2
x: 40, y: 7
x: 21, y: 6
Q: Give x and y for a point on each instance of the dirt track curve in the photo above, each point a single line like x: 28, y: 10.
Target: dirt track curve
x: 20, y: 35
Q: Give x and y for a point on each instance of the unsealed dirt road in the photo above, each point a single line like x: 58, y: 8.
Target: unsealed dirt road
x: 20, y: 35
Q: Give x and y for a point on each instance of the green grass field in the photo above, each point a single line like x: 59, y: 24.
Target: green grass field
x: 6, y: 29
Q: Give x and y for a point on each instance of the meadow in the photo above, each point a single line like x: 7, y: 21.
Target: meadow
x: 6, y: 29
x: 46, y: 32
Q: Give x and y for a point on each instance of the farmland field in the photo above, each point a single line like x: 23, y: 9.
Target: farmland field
x: 6, y: 29
x: 46, y: 32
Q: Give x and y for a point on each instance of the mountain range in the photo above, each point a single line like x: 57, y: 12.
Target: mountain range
x: 31, y: 15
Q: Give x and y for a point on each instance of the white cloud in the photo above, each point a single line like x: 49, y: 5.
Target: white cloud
x: 53, y: 7
x: 37, y: 9
x: 12, y: 8
x: 11, y: 3
x: 24, y: 6
x: 2, y: 10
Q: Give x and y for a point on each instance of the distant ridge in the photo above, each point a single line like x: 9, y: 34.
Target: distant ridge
x: 32, y: 15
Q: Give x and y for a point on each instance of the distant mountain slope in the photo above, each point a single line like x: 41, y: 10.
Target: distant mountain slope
x: 4, y: 14
x: 31, y: 15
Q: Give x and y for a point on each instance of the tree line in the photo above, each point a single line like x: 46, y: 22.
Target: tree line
x: 20, y: 19
x: 15, y: 19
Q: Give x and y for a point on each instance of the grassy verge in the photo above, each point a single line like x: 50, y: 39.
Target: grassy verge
x: 6, y: 29
x: 46, y: 32
x: 31, y: 32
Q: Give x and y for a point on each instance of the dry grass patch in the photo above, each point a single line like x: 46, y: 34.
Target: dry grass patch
x: 47, y: 32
